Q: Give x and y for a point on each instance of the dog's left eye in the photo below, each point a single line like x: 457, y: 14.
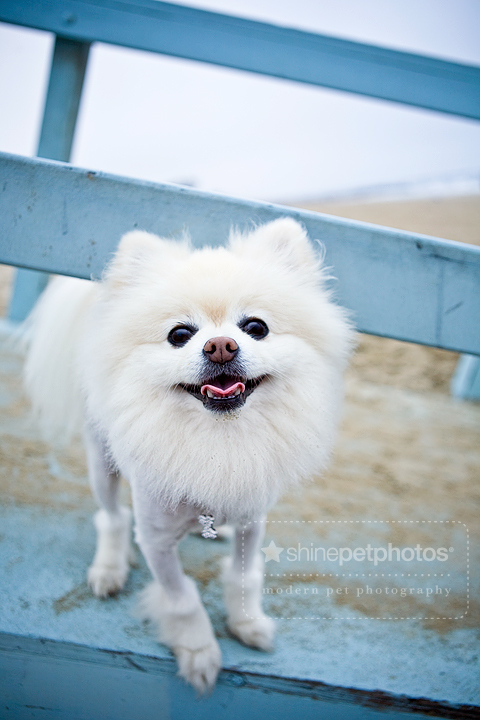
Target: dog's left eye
x: 180, y: 335
x: 256, y: 328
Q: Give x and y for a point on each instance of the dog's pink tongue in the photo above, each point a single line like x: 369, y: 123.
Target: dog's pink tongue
x: 220, y: 392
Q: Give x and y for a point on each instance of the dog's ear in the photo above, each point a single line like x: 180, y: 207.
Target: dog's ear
x: 139, y: 253
x: 283, y: 241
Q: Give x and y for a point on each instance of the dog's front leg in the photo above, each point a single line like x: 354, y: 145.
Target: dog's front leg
x: 172, y: 601
x: 109, y: 570
x: 243, y: 578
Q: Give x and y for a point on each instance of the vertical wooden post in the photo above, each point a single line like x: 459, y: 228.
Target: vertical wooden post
x: 56, y: 137
x: 465, y: 383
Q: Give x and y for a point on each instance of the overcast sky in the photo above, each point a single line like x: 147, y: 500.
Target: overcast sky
x: 165, y: 119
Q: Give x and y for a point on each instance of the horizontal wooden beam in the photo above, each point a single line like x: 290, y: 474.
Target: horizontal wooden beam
x: 69, y: 680
x: 260, y: 48
x: 63, y: 219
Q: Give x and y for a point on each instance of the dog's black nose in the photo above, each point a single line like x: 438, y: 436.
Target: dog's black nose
x: 220, y: 349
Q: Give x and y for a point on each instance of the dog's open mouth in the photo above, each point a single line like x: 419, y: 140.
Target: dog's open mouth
x: 224, y: 393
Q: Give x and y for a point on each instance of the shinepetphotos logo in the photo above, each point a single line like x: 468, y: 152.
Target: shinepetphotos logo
x: 366, y: 569
x: 344, y: 555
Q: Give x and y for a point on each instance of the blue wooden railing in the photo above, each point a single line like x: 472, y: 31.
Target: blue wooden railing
x: 397, y: 284
x: 257, y: 47
x: 281, y: 52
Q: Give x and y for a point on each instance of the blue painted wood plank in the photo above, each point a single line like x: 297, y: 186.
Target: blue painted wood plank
x: 258, y: 47
x: 67, y: 73
x: 465, y: 383
x: 27, y: 287
x: 47, y: 679
x: 58, y: 218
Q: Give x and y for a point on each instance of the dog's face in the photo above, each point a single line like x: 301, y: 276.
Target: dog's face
x: 214, y: 329
x: 212, y: 362
x: 224, y: 381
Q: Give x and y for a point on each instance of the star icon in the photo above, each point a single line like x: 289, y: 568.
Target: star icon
x: 272, y: 552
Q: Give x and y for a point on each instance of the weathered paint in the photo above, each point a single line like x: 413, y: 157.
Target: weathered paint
x: 60, y: 680
x: 62, y: 219
x: 258, y: 47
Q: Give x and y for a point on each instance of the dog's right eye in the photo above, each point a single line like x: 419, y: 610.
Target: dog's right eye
x: 180, y: 335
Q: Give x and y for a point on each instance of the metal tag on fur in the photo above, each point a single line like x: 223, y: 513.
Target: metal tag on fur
x: 208, y: 529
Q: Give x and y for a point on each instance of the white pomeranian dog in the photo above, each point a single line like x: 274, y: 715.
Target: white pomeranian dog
x: 212, y: 380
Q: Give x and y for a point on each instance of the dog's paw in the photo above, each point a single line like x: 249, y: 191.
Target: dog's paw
x: 199, y: 667
x: 256, y: 632
x: 106, y: 580
x: 183, y: 624
x: 109, y: 570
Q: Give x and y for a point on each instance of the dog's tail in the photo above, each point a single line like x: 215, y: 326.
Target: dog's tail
x: 52, y: 334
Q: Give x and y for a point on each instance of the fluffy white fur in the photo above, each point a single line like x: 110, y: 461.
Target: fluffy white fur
x: 100, y: 350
